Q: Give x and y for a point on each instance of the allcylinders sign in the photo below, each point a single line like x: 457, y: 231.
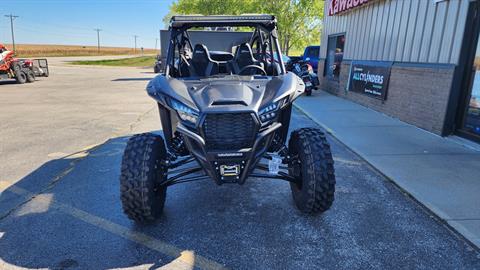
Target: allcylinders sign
x: 338, y: 6
x: 370, y: 78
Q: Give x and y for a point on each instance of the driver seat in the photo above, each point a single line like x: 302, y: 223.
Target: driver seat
x: 243, y: 57
x: 201, y: 64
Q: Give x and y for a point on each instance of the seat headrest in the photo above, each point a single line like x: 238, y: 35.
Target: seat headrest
x: 243, y: 50
x: 200, y: 50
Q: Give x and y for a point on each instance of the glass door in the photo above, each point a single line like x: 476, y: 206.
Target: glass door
x: 336, y: 44
x: 472, y: 115
x: 469, y: 120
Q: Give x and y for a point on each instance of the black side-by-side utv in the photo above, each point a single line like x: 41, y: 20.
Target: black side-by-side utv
x: 225, y: 116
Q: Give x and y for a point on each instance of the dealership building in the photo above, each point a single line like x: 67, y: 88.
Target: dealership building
x: 416, y: 60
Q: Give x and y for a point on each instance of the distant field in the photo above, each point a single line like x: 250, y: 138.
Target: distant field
x: 142, y: 61
x: 477, y: 63
x: 28, y: 50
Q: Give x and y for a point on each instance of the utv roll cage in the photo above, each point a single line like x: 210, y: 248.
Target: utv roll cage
x: 264, y: 38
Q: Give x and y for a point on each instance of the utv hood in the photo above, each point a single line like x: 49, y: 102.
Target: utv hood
x: 226, y: 93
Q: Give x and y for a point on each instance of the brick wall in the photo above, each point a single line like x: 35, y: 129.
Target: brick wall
x: 416, y: 95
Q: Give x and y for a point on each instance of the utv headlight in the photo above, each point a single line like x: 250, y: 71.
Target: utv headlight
x: 270, y: 111
x: 184, y: 112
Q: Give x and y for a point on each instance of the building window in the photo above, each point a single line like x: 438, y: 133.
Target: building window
x: 333, y: 62
x: 312, y: 52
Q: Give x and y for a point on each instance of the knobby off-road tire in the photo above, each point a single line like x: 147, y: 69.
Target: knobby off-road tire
x: 20, y: 76
x: 141, y: 174
x: 30, y: 76
x: 314, y: 170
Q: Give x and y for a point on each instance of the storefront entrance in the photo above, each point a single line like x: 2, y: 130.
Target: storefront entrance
x: 469, y: 120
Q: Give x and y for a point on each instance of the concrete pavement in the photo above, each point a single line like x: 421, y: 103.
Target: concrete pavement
x: 73, y: 109
x: 441, y: 173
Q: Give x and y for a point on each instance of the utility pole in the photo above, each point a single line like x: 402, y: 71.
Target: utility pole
x: 156, y: 42
x: 12, y: 17
x: 98, y: 38
x: 135, y: 50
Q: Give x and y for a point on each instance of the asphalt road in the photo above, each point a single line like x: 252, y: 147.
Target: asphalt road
x: 63, y: 211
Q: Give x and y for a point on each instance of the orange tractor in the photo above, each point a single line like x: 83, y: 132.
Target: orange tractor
x: 22, y: 70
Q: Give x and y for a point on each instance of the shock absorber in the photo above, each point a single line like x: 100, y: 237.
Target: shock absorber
x: 178, y: 145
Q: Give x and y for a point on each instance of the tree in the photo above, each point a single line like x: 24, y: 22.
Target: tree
x: 299, y: 20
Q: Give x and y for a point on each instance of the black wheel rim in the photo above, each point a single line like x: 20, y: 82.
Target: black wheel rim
x: 296, y: 168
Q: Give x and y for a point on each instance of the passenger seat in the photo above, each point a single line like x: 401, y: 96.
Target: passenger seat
x: 201, y: 64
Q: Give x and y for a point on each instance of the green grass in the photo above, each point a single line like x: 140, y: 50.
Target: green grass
x: 141, y: 61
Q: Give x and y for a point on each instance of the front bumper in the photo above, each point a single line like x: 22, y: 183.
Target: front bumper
x: 214, y: 161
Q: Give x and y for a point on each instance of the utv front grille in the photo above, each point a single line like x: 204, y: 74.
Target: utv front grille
x: 229, y: 131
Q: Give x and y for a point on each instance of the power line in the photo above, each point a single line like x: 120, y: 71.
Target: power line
x: 135, y: 49
x: 12, y: 17
x: 56, y: 33
x: 32, y: 21
x: 75, y: 32
x: 117, y: 34
x: 98, y: 38
x: 79, y: 31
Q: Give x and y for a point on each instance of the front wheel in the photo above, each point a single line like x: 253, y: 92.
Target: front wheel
x: 142, y: 173
x: 20, y: 76
x: 312, y: 167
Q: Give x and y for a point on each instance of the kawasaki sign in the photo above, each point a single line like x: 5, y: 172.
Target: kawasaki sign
x: 339, y: 6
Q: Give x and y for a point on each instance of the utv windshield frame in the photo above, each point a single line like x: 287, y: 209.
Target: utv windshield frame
x: 265, y: 32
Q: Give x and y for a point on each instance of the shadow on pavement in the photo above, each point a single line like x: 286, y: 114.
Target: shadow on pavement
x: 131, y: 79
x: 67, y: 215
x: 4, y: 82
x: 60, y: 216
x: 13, y: 81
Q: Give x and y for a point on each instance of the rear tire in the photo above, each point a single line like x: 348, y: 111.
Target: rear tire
x: 20, y: 76
x: 142, y: 172
x: 313, y: 169
x: 30, y: 76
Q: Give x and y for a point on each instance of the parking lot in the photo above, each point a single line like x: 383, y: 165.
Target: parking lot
x: 61, y: 143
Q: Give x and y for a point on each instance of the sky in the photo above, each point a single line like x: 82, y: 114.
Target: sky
x: 72, y: 22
